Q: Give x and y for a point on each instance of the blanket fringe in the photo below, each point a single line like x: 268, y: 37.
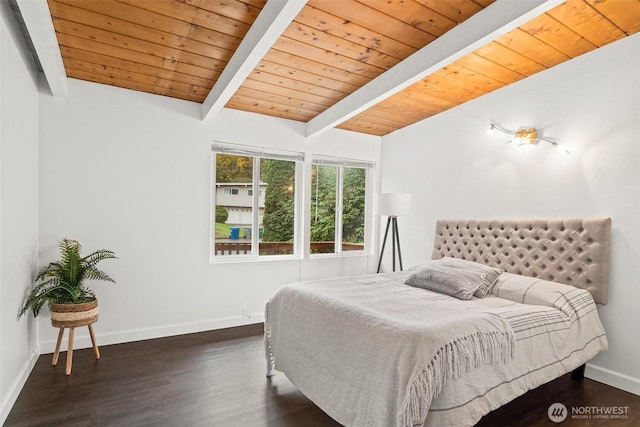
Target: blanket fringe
x: 267, y: 343
x: 450, y: 363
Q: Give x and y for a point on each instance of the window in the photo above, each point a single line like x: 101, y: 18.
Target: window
x: 353, y: 208
x: 338, y: 206
x: 262, y: 220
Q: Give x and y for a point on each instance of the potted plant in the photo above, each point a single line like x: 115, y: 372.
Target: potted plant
x: 71, y: 302
x: 62, y: 282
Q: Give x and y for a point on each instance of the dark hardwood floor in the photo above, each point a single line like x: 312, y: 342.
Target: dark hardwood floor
x: 217, y: 379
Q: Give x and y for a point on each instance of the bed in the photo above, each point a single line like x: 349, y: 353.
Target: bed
x: 373, y: 351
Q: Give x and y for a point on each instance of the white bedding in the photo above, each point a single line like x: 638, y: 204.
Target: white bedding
x: 552, y: 338
x: 357, y: 370
x: 393, y: 343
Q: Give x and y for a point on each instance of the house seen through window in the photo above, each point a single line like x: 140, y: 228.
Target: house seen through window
x: 255, y: 204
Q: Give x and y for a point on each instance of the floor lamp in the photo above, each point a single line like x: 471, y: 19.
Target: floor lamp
x: 392, y: 205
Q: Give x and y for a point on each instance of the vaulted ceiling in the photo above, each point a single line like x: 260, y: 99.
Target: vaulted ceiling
x: 370, y: 66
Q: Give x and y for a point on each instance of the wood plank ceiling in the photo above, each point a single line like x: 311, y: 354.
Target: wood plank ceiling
x: 332, y: 48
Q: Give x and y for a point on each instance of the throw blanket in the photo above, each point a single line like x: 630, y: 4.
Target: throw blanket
x: 372, y: 351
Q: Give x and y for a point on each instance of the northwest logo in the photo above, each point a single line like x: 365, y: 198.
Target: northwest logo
x: 557, y: 412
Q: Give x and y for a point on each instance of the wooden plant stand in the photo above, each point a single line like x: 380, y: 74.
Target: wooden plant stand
x: 72, y: 316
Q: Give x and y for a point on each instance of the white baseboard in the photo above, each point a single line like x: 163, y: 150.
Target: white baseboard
x: 12, y: 395
x: 614, y: 379
x: 82, y: 339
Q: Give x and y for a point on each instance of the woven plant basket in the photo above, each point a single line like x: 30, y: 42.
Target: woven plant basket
x: 74, y: 315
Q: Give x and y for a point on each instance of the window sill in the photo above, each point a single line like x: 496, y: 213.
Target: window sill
x: 231, y: 259
x: 340, y: 255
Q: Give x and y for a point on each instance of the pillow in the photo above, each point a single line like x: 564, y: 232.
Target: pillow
x: 490, y: 274
x: 452, y: 281
x: 536, y: 291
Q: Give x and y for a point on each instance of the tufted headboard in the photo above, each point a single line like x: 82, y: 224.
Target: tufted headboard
x: 573, y: 251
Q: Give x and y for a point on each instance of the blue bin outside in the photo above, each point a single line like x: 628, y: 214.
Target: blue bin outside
x: 234, y: 233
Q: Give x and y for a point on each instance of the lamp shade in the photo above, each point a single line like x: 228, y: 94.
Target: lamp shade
x: 394, y: 204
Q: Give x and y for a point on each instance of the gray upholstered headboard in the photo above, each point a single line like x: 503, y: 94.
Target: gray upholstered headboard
x: 573, y: 251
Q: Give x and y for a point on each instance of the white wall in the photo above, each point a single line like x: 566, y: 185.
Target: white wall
x: 18, y: 208
x: 454, y: 170
x: 131, y: 172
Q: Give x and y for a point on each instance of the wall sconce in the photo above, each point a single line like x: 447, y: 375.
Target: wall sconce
x: 526, y: 137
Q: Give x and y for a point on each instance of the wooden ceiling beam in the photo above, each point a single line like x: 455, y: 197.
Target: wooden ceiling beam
x: 483, y: 27
x: 272, y: 21
x: 37, y: 19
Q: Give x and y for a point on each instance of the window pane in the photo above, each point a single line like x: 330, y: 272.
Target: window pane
x: 353, y: 205
x: 277, y: 207
x: 234, y: 206
x: 323, y: 208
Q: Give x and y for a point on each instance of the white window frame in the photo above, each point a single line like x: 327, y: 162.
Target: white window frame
x: 341, y: 163
x: 257, y: 153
